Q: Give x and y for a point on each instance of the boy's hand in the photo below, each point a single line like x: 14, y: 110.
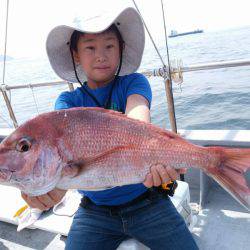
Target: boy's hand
x: 45, y: 201
x: 160, y: 174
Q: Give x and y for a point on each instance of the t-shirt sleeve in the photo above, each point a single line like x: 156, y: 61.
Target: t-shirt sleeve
x: 140, y: 85
x: 64, y: 101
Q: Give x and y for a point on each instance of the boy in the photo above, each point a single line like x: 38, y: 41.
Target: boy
x: 102, y: 56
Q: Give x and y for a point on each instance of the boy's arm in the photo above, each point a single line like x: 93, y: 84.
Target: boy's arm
x: 138, y: 108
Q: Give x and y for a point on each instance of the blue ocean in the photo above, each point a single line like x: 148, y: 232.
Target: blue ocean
x: 211, y: 99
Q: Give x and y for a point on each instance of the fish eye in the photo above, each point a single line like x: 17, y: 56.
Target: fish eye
x: 23, y: 145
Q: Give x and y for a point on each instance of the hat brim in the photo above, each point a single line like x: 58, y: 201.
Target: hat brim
x: 130, y: 26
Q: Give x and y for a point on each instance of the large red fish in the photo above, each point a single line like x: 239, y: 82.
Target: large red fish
x: 95, y: 149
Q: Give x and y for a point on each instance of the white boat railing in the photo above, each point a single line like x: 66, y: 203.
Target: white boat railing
x: 176, y: 69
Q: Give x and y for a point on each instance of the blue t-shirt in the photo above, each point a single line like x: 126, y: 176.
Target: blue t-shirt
x: 125, y: 86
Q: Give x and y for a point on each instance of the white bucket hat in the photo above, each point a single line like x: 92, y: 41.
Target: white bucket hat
x: 128, y: 22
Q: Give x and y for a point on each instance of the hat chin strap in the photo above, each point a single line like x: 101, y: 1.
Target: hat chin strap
x: 74, y: 66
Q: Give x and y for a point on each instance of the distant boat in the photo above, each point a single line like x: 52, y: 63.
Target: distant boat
x: 174, y: 33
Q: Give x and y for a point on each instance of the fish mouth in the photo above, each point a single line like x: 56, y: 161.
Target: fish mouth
x: 5, y: 175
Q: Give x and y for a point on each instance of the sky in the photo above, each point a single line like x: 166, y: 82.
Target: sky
x: 31, y: 20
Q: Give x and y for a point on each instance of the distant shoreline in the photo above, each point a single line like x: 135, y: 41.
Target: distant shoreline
x: 7, y: 58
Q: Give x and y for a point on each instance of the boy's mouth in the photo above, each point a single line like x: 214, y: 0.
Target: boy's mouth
x: 101, y: 67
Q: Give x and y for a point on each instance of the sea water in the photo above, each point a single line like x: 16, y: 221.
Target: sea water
x: 210, y: 99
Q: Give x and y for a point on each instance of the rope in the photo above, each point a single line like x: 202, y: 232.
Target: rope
x: 34, y: 98
x: 5, y: 44
x: 5, y: 120
x: 166, y: 41
x: 151, y: 38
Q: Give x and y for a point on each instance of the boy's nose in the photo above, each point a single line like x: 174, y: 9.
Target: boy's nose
x: 101, y: 55
x: 100, y: 59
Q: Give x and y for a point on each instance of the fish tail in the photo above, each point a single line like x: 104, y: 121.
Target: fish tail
x: 231, y: 173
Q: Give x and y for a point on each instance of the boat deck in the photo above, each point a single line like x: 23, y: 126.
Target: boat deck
x: 222, y: 224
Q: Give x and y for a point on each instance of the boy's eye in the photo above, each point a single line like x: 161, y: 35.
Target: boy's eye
x: 90, y: 48
x: 110, y: 46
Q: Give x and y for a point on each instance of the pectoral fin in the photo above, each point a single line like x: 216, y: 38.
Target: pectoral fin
x: 74, y: 168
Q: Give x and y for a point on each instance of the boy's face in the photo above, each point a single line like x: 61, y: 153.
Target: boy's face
x: 99, y: 56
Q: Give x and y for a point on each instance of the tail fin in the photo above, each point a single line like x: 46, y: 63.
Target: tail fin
x: 230, y: 174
